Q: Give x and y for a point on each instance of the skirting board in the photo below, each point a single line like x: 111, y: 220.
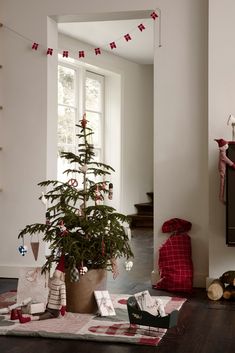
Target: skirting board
x: 9, y: 271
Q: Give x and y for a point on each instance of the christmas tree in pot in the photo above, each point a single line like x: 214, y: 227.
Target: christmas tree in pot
x: 79, y: 226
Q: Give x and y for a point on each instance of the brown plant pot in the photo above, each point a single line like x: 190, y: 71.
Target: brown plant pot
x: 80, y: 295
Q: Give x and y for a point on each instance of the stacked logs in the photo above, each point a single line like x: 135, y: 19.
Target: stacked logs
x: 224, y: 287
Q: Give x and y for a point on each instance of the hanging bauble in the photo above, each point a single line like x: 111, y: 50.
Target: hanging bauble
x: 22, y: 249
x: 83, y: 270
x: 74, y: 274
x: 73, y: 182
x: 48, y: 218
x: 110, y: 196
x: 128, y: 265
x: 115, y: 270
x: 84, y: 121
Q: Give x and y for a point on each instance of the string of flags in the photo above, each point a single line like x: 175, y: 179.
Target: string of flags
x: 156, y: 14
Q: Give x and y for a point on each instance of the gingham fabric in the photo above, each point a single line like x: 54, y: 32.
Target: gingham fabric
x: 176, y: 225
x: 175, y: 264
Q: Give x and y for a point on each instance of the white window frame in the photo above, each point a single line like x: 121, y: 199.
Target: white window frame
x: 101, y: 79
x: 81, y: 72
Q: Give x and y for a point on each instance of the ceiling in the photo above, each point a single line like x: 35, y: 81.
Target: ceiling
x: 139, y: 49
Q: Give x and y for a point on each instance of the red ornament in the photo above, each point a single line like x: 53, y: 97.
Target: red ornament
x: 98, y: 195
x: 65, y: 54
x: 154, y: 15
x: 81, y: 54
x: 141, y: 27
x: 49, y: 51
x: 127, y: 37
x: 112, y: 45
x: 110, y: 196
x: 84, y: 121
x: 63, y: 229
x: 97, y: 51
x: 73, y: 182
x: 35, y: 46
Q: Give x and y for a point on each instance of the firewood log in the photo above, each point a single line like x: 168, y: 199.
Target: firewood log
x: 229, y: 292
x: 215, y: 290
x: 228, y: 277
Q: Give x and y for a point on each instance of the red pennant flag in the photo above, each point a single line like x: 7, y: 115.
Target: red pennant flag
x: 97, y: 51
x: 49, y: 51
x: 65, y: 53
x: 35, y: 46
x: 154, y: 15
x: 81, y: 54
x: 112, y: 45
x: 127, y: 37
x: 141, y: 27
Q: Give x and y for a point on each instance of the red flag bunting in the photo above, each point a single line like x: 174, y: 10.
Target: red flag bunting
x: 112, y: 45
x: 49, y: 51
x: 65, y: 54
x: 97, y: 51
x: 127, y: 37
x: 35, y: 46
x: 141, y: 27
x: 154, y: 15
x: 81, y: 54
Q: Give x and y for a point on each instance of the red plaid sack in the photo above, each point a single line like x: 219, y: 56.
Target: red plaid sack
x: 176, y: 225
x: 175, y: 264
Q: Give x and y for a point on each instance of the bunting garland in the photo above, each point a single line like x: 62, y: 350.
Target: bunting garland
x: 127, y: 37
x: 155, y: 15
x: 35, y: 46
x: 113, y: 45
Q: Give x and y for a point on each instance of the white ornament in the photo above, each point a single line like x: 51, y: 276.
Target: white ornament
x: 83, y: 270
x: 128, y: 265
x: 43, y: 199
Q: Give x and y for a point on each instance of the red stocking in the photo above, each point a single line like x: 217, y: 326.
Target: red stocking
x: 22, y: 319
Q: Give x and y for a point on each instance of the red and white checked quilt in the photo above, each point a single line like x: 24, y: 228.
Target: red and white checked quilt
x: 91, y: 327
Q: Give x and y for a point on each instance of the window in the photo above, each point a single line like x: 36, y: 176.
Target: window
x: 79, y: 91
x: 94, y: 110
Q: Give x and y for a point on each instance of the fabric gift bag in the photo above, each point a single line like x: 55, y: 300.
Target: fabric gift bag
x: 32, y: 283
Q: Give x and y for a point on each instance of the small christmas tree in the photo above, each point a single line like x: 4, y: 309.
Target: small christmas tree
x: 88, y: 233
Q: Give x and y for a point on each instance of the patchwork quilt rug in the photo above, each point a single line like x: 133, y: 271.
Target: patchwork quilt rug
x: 89, y: 326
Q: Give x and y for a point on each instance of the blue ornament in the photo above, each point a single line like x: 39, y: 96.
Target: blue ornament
x: 22, y: 250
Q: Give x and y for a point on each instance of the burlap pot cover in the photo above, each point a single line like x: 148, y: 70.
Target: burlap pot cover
x: 80, y: 295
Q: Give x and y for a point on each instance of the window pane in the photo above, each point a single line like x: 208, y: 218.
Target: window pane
x: 95, y: 124
x: 66, y: 85
x: 66, y: 125
x: 93, y: 94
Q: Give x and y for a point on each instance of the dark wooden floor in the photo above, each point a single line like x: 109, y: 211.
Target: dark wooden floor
x: 204, y: 326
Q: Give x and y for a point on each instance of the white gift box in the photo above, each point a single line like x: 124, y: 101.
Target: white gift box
x: 33, y: 308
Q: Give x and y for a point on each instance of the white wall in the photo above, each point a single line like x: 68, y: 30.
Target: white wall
x: 221, y: 104
x: 28, y: 120
x: 181, y: 167
x: 185, y: 180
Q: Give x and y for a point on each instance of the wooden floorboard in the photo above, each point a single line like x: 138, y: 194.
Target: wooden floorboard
x: 204, y: 326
